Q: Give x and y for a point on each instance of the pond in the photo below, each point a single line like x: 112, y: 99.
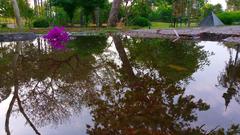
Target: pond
x: 119, y: 85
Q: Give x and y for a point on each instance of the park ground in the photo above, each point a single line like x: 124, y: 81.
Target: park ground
x: 155, y: 25
x: 156, y: 30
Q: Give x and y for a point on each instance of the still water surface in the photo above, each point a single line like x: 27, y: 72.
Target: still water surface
x: 116, y: 85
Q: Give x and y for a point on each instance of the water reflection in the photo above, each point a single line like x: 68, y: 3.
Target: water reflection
x: 229, y: 79
x: 47, y: 85
x: 175, y: 61
x: 131, y: 86
x: 144, y: 105
x: 15, y: 97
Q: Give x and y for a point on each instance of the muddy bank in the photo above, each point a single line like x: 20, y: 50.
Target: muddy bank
x: 207, y: 33
x: 26, y: 36
x: 9, y: 37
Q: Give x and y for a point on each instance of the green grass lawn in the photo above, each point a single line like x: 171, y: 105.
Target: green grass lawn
x: 6, y: 20
x: 163, y: 25
x: 160, y: 25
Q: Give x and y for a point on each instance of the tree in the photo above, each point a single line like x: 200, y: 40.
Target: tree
x: 233, y: 5
x: 187, y: 9
x: 69, y: 6
x: 35, y: 7
x: 208, y: 8
x: 89, y: 7
x: 141, y: 8
x: 229, y: 79
x: 113, y: 16
x: 53, y: 95
x: 17, y: 14
x: 93, y: 7
x: 141, y: 103
x: 26, y: 11
x: 6, y: 8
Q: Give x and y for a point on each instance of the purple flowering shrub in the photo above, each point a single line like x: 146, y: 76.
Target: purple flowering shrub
x: 57, y: 37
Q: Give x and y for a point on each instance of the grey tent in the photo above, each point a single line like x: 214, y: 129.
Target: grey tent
x: 211, y: 20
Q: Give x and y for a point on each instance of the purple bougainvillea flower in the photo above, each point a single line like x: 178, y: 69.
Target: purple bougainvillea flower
x: 57, y: 37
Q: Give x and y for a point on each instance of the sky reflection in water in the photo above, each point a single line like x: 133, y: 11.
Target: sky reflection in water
x: 119, y: 86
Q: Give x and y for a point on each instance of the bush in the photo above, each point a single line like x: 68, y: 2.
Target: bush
x: 163, y: 14
x: 60, y: 18
x: 4, y: 25
x: 229, y: 18
x: 141, y: 21
x: 41, y: 23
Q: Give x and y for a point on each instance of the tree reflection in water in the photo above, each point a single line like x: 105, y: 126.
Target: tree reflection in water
x: 15, y: 97
x: 229, y: 79
x: 142, y: 103
x: 48, y: 85
x: 143, y: 95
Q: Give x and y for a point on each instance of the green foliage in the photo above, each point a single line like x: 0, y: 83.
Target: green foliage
x: 233, y: 5
x: 105, y: 12
x: 140, y: 21
x: 25, y: 10
x: 41, y: 23
x: 60, y: 18
x: 88, y: 8
x: 4, y: 25
x: 85, y: 9
x: 88, y: 45
x: 90, y: 5
x: 175, y: 61
x: 229, y: 18
x: 69, y: 6
x: 6, y: 8
x: 163, y: 2
x: 163, y: 14
x: 141, y: 9
x: 208, y: 8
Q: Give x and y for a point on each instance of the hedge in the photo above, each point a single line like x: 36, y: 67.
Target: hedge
x: 230, y: 18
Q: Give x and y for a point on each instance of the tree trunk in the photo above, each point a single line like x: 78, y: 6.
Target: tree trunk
x: 17, y: 14
x: 35, y: 7
x: 82, y: 19
x: 97, y: 16
x: 189, y: 12
x: 126, y: 66
x: 113, y: 16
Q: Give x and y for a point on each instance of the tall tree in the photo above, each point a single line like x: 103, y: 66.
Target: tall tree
x: 208, y: 8
x: 93, y: 7
x: 6, y: 8
x: 69, y: 6
x: 233, y: 5
x: 187, y: 9
x: 17, y: 14
x: 229, y: 79
x: 113, y: 16
x: 35, y: 7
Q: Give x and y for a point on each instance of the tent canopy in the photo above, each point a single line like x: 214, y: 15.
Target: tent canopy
x: 211, y: 20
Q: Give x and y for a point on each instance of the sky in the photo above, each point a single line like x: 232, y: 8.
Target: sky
x: 222, y: 2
